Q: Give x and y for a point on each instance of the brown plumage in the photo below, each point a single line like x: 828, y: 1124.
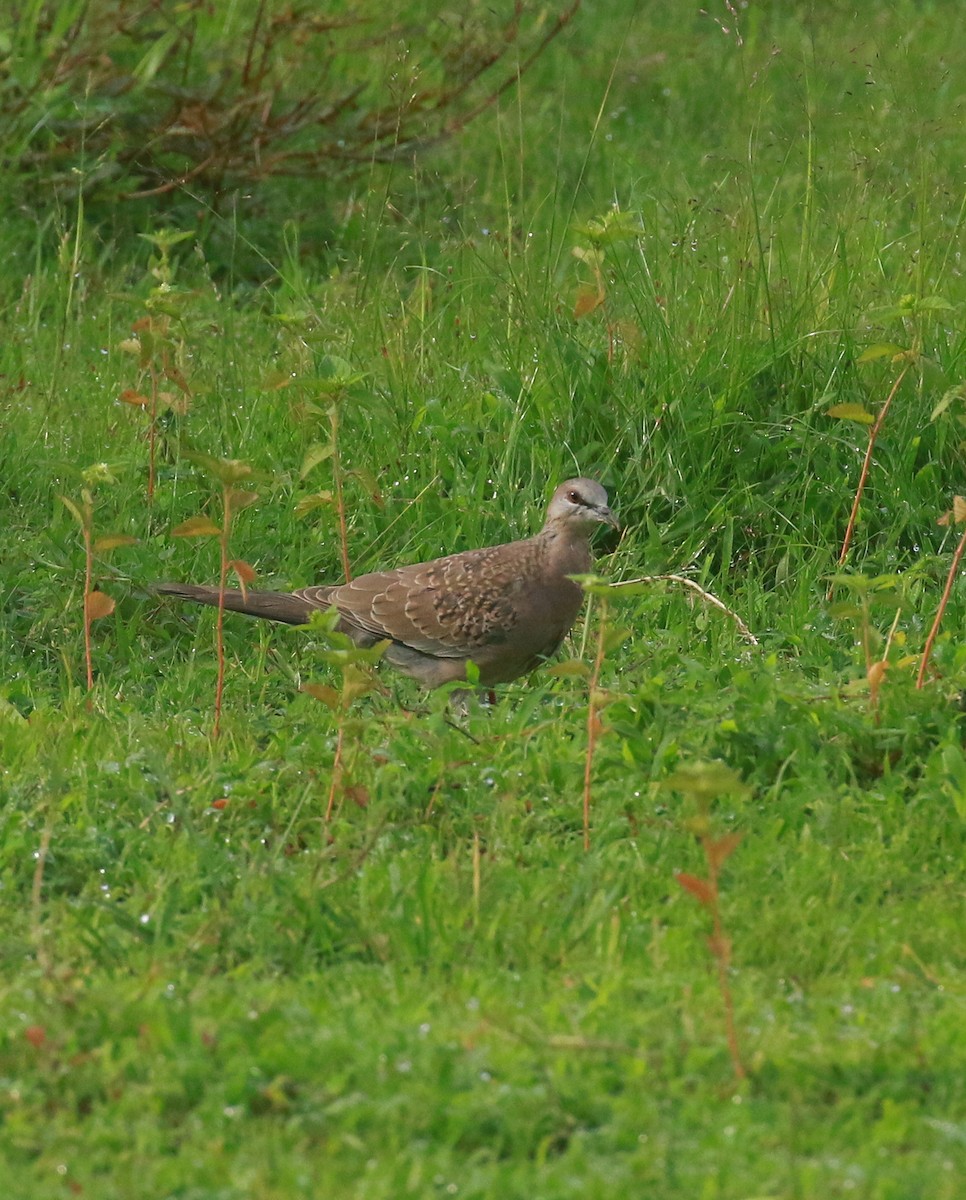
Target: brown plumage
x: 505, y: 608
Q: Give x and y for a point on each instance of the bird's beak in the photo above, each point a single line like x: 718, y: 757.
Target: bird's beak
x: 607, y: 517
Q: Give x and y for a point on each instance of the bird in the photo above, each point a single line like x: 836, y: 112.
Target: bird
x: 504, y: 608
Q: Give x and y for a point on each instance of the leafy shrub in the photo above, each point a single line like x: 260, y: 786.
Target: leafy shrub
x: 143, y: 96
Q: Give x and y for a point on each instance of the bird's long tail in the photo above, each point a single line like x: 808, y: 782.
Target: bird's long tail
x: 273, y: 606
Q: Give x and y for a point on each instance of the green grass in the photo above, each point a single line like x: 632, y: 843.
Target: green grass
x: 440, y: 992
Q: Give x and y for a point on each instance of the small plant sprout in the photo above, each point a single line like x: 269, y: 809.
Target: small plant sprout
x: 864, y: 592
x: 97, y: 604
x: 229, y: 472
x: 159, y: 350
x: 955, y: 516
x: 912, y: 312
x: 597, y: 235
x: 701, y: 784
x: 327, y: 390
x: 356, y: 665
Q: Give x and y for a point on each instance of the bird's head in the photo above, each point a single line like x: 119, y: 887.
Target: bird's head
x: 578, y: 505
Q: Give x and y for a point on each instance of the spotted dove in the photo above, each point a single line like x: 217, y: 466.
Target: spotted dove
x: 505, y: 608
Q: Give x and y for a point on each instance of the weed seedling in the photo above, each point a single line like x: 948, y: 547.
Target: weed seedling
x: 229, y: 472
x: 702, y: 783
x: 159, y: 351
x: 97, y: 604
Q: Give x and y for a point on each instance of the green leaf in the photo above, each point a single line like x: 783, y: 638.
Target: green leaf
x: 314, y: 455
x: 851, y: 412
x: 705, y: 780
x: 880, y: 350
x: 948, y: 398
x: 935, y: 304
x: 310, y: 503
x: 237, y: 499
x: 569, y: 668
x: 75, y: 512
x: 111, y: 541
x: 196, y: 527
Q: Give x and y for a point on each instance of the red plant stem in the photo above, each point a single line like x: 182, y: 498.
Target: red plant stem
x: 88, y: 575
x: 866, y: 464
x: 722, y: 955
x: 593, y: 721
x: 947, y: 590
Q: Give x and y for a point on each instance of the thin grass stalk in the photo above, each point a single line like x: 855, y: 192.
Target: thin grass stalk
x: 88, y: 577
x: 339, y: 495
x: 593, y: 721
x: 336, y: 770
x: 220, y: 621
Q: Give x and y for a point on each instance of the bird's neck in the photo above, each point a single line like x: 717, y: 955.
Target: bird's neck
x: 568, y: 551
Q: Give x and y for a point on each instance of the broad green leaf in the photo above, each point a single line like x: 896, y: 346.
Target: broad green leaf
x: 570, y: 667
x: 851, y: 412
x: 75, y: 512
x: 936, y: 304
x: 196, y: 527
x: 309, y: 503
x: 880, y: 350
x: 949, y: 397
x: 323, y: 693
x: 705, y: 780
x: 164, y: 239
x: 111, y: 541
x: 237, y: 499
x: 314, y: 455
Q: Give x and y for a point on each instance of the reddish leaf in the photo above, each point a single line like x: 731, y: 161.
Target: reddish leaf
x: 358, y: 795
x: 720, y: 849
x: 701, y: 889
x: 587, y: 300
x: 36, y: 1035
x: 244, y: 572
x: 238, y: 499
x: 135, y: 398
x: 99, y: 605
x: 220, y: 804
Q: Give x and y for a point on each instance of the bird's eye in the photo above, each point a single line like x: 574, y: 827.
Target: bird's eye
x: 574, y: 497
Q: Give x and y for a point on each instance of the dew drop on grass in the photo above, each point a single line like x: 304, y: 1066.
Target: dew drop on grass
x: 144, y: 918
